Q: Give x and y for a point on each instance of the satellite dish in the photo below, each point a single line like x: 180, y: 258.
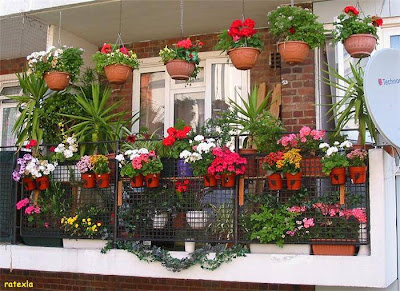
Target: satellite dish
x: 382, y: 93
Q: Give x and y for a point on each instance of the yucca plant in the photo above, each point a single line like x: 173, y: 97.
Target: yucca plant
x: 352, y: 104
x: 34, y: 91
x: 99, y: 121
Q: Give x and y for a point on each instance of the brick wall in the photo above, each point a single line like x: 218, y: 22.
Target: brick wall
x: 12, y: 66
x: 297, y: 97
x: 85, y: 282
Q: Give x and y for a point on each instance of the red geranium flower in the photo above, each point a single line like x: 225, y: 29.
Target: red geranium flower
x: 351, y: 9
x: 247, y: 32
x: 52, y: 149
x: 131, y: 138
x: 106, y: 49
x: 249, y: 23
x: 377, y: 21
x: 186, y: 43
x: 33, y: 143
x: 291, y: 30
x: 180, y: 134
x: 168, y: 141
x: 236, y: 23
x: 187, y: 129
x: 234, y: 32
x: 124, y: 50
x: 171, y: 131
x: 200, y: 43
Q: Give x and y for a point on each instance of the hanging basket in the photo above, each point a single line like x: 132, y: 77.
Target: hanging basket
x: 137, y: 181
x: 293, y: 52
x: 29, y: 184
x: 244, y: 58
x: 56, y: 81
x: 275, y: 181
x: 228, y: 180
x: 117, y: 74
x: 103, y: 180
x: 293, y: 181
x: 358, y: 175
x: 180, y: 69
x: 338, y: 176
x: 360, y: 45
x: 152, y: 180
x: 43, y: 183
x: 210, y: 181
x: 88, y: 180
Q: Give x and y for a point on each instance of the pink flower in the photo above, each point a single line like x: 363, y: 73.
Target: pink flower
x: 304, y: 131
x: 22, y: 203
x: 308, y: 222
x: 124, y: 50
x: 32, y: 209
x: 46, y: 225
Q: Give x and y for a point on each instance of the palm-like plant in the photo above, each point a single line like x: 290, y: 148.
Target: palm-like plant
x: 34, y: 91
x: 352, y: 104
x: 99, y: 122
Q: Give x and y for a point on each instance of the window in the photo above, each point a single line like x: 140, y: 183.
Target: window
x: 162, y: 100
x: 8, y: 112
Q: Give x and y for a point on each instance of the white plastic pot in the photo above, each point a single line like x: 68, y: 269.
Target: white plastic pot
x: 160, y: 220
x: 197, y: 219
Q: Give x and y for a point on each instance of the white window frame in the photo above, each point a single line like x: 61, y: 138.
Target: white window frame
x: 8, y: 80
x: 150, y: 65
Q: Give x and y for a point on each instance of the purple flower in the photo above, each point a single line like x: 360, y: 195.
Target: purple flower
x: 16, y: 176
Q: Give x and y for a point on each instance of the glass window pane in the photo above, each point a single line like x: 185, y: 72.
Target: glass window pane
x: 152, y: 101
x: 395, y: 41
x: 226, y: 83
x: 12, y: 90
x: 190, y: 108
x: 10, y: 116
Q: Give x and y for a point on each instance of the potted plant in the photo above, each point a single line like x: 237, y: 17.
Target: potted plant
x: 334, y: 162
x: 196, y: 215
x: 65, y: 151
x: 35, y: 172
x: 336, y: 229
x: 270, y: 226
x: 88, y: 176
x: 297, y: 30
x: 101, y: 169
x: 359, y: 35
x: 151, y: 169
x: 57, y: 66
x: 308, y: 141
x: 357, y: 167
x: 290, y: 165
x: 181, y: 187
x: 228, y: 164
x: 132, y: 164
x: 116, y: 62
x: 274, y: 176
x: 201, y: 158
x: 242, y: 43
x: 182, y: 60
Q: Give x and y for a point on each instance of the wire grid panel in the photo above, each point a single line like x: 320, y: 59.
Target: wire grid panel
x: 316, y: 198
x: 66, y: 198
x: 7, y: 209
x: 181, y: 208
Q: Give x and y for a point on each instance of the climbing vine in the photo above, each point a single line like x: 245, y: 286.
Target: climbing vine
x: 199, y: 256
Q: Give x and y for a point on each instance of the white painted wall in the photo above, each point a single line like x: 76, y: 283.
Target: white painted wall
x: 70, y: 39
x: 19, y: 6
x: 327, y: 11
x: 378, y: 270
x: 394, y: 287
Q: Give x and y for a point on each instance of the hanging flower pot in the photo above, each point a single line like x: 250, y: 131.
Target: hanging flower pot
x: 228, y: 180
x: 275, y: 181
x: 338, y: 176
x: 293, y: 52
x: 117, y: 74
x: 137, y: 181
x: 180, y: 69
x: 88, y: 180
x: 358, y: 175
x: 360, y: 45
x: 43, y: 183
x: 152, y: 180
x: 160, y: 220
x: 184, y: 169
x: 210, y: 181
x: 29, y: 184
x: 244, y: 58
x: 293, y: 181
x: 56, y: 81
x: 103, y: 180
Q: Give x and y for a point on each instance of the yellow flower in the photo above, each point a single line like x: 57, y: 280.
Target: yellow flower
x: 62, y: 220
x: 76, y: 225
x: 89, y: 219
x: 83, y: 220
x: 89, y: 223
x: 98, y: 224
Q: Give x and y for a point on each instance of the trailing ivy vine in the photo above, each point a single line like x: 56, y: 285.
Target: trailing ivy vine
x: 199, y: 256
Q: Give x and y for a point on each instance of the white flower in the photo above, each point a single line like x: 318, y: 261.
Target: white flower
x: 323, y: 145
x: 51, y: 167
x: 336, y: 143
x: 346, y: 144
x: 331, y: 150
x: 199, y: 138
x: 143, y: 151
x: 195, y: 157
x: 190, y: 141
x: 60, y: 148
x: 210, y: 140
x: 68, y: 154
x: 71, y: 140
x: 120, y: 157
x: 185, y: 154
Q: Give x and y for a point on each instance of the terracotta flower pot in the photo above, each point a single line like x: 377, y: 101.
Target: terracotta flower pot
x: 332, y: 249
x: 210, y: 181
x: 117, y: 74
x: 275, y: 181
x: 360, y: 45
x: 293, y: 52
x: 180, y: 69
x: 293, y: 181
x: 179, y: 221
x: 56, y: 81
x: 152, y: 180
x: 244, y: 58
x: 358, y: 175
x: 251, y: 166
x: 137, y: 181
x: 43, y: 183
x: 311, y: 167
x: 88, y: 180
x: 29, y: 184
x: 228, y: 180
x: 103, y: 180
x: 338, y: 176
